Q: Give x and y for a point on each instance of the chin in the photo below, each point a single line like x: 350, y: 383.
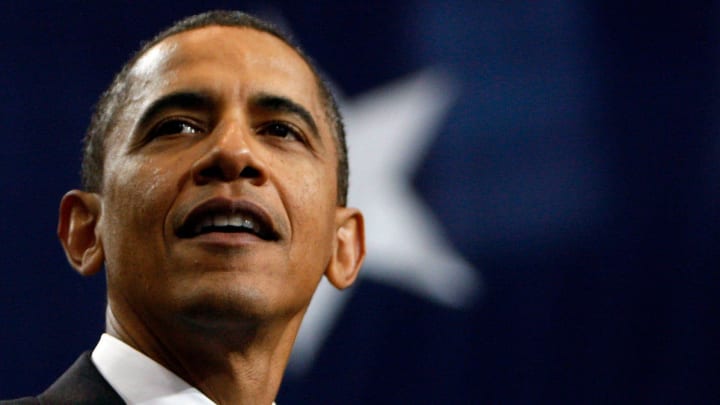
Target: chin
x: 226, y: 309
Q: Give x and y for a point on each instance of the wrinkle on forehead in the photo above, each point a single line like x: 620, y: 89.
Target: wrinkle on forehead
x: 239, y: 48
x: 247, y: 48
x: 182, y: 61
x: 205, y: 44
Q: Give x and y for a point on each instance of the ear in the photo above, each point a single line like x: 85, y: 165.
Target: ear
x: 349, y: 245
x: 78, y: 231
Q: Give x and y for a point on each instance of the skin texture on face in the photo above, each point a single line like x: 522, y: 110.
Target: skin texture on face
x: 224, y: 124
x: 217, y: 213
x: 225, y: 149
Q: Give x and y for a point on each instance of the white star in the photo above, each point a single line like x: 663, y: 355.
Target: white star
x: 389, y: 130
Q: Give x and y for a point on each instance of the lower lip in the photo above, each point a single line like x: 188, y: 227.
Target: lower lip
x: 227, y: 239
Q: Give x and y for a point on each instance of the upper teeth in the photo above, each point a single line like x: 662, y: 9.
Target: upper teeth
x: 227, y: 220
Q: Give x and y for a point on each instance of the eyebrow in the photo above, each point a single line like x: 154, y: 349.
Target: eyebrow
x: 275, y: 103
x: 202, y: 100
x: 182, y: 100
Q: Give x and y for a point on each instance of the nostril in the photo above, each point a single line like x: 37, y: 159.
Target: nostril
x: 222, y: 162
x: 224, y: 173
x: 212, y: 172
x: 250, y: 172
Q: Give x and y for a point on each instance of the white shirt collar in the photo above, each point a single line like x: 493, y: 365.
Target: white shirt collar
x: 140, y: 380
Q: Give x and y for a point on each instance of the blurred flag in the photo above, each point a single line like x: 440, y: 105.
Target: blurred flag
x: 539, y: 181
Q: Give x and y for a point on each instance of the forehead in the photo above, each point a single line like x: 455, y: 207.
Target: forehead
x: 225, y: 60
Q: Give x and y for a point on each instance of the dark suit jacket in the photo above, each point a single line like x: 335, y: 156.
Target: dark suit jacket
x: 80, y: 384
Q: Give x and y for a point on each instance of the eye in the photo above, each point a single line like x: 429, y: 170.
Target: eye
x: 281, y: 130
x: 174, y: 127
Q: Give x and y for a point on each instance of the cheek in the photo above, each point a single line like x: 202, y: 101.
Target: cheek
x: 136, y: 197
x: 309, y: 195
x: 312, y: 214
x: 135, y: 202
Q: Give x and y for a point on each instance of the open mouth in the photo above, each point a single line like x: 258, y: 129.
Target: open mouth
x: 224, y: 216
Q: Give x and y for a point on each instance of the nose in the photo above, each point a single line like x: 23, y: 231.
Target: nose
x: 229, y: 156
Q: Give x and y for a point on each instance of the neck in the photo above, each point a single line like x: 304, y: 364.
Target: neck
x: 241, y: 365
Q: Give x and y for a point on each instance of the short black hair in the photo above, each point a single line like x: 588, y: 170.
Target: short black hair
x: 113, y: 100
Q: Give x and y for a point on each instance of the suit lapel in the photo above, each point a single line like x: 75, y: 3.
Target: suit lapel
x: 82, y: 383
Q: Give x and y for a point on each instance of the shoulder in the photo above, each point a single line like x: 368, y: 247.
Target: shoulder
x: 82, y: 383
x: 20, y: 401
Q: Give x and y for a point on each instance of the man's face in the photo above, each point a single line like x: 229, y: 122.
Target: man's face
x: 219, y: 195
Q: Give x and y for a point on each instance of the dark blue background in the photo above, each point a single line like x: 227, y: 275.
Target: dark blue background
x: 578, y: 171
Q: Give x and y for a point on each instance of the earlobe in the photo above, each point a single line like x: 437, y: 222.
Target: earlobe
x: 349, y: 250
x: 77, y: 230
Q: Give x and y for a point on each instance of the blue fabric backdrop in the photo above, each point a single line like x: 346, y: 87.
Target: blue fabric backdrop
x: 565, y: 158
